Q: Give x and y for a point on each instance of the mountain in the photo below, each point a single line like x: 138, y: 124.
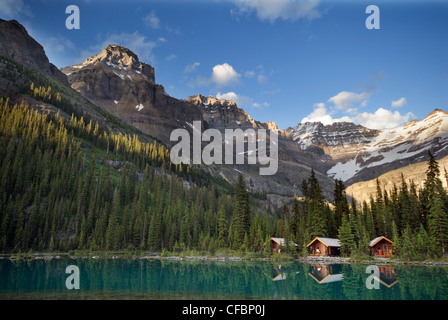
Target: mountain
x: 17, y: 44
x: 354, y: 153
x: 119, y: 83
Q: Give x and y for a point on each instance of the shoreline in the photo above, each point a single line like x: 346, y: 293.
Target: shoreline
x: 219, y: 258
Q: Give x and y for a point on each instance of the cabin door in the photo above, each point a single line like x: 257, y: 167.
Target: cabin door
x: 385, y: 250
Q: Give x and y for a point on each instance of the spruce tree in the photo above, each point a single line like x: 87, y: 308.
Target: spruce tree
x: 241, y: 216
x: 438, y: 218
x: 346, y: 238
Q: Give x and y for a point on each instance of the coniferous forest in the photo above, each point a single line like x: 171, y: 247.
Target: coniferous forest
x: 72, y: 184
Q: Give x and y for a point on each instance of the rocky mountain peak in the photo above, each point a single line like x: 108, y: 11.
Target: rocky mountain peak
x: 119, y: 59
x: 17, y: 44
x: 332, y: 135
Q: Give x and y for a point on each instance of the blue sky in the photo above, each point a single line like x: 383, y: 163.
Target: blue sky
x: 286, y: 61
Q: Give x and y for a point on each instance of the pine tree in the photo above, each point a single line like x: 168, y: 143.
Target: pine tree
x: 407, y: 250
x: 241, y: 216
x: 438, y: 218
x: 429, y: 188
x: 346, y: 238
x: 341, y: 208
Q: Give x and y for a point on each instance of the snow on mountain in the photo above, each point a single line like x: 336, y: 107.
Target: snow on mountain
x: 354, y: 148
x: 336, y: 134
x: 118, y: 59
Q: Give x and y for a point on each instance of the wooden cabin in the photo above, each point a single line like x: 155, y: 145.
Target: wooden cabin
x: 278, y: 243
x: 324, y: 246
x: 381, y: 247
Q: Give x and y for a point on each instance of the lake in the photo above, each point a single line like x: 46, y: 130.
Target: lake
x: 209, y: 280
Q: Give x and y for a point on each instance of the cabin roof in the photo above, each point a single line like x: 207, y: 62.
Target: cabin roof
x: 329, y: 242
x: 281, y: 241
x: 377, y: 239
x: 329, y: 278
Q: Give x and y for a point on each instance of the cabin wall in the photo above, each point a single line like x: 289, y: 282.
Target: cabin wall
x: 319, y: 249
x: 383, y: 249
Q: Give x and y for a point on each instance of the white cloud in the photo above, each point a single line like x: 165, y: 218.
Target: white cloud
x: 321, y: 114
x: 191, y: 67
x: 383, y: 119
x: 380, y: 119
x: 13, y: 9
x: 346, y: 99
x: 152, y: 21
x: 398, y: 103
x: 224, y: 74
x: 240, y: 100
x: 278, y: 9
x: 228, y: 96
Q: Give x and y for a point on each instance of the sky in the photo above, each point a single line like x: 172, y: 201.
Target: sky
x: 287, y: 61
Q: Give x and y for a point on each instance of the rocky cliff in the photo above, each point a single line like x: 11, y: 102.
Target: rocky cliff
x: 17, y: 44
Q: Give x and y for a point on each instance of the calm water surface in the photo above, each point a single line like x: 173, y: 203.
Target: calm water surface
x: 155, y: 279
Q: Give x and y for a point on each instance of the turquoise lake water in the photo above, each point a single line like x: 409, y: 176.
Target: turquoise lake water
x: 162, y: 279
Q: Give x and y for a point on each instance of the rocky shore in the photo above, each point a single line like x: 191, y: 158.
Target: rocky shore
x: 324, y: 260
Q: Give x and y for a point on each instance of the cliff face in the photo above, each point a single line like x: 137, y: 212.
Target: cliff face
x: 17, y: 44
x: 225, y: 114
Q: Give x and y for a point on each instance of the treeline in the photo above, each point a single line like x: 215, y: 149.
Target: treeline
x: 55, y: 194
x: 415, y: 219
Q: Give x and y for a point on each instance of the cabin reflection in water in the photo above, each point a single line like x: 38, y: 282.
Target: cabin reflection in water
x: 324, y: 274
x: 388, y: 277
x: 279, y: 274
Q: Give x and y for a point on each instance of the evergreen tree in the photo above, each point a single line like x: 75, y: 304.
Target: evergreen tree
x: 222, y: 227
x: 341, y: 207
x: 346, y: 238
x: 438, y: 218
x: 241, y: 216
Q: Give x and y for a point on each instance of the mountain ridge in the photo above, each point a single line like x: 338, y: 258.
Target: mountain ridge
x: 351, y: 149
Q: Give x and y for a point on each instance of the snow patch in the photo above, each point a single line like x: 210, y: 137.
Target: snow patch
x: 120, y: 75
